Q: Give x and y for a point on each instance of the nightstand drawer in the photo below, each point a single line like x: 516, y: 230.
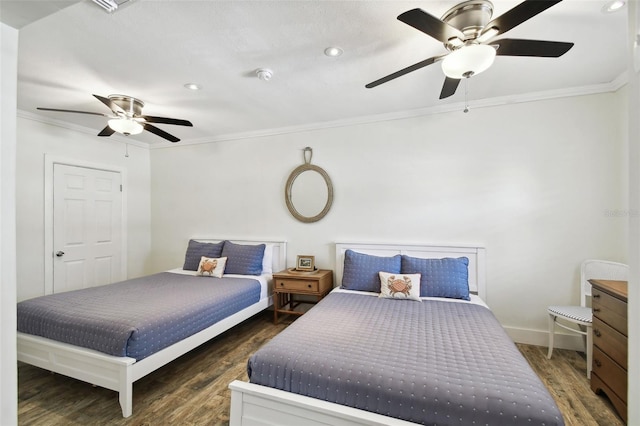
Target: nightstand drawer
x: 611, y: 310
x: 297, y: 285
x: 616, y: 377
x: 610, y: 341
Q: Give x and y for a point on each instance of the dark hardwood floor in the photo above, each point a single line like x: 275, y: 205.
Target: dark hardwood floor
x: 193, y: 389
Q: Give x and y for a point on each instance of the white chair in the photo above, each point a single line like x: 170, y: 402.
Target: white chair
x: 578, y: 318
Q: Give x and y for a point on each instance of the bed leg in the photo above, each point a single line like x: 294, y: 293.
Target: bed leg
x: 125, y: 394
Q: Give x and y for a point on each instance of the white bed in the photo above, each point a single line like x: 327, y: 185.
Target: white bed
x: 119, y: 373
x: 253, y: 404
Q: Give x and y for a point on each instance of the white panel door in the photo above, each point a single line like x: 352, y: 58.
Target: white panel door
x: 87, y: 218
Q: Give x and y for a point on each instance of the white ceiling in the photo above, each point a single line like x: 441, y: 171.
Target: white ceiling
x: 149, y: 48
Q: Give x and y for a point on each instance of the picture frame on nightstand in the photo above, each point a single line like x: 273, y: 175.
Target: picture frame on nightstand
x: 305, y: 263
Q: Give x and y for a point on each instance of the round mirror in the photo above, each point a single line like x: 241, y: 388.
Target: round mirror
x: 309, y: 193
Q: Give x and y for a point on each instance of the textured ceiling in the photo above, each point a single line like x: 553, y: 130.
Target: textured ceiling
x: 149, y: 49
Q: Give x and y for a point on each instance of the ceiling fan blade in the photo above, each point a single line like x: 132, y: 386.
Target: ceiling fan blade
x: 74, y: 111
x: 449, y: 87
x: 164, y: 120
x: 110, y: 104
x: 430, y: 25
x: 520, y: 13
x: 160, y: 132
x: 107, y: 131
x: 540, y: 48
x: 403, y: 71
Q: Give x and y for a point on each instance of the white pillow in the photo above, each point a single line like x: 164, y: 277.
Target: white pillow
x: 211, y: 267
x: 267, y: 259
x: 400, y: 286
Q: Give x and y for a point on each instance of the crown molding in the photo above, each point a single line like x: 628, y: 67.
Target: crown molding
x: 610, y: 87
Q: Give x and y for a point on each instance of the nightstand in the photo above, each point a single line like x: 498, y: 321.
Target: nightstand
x: 290, y: 282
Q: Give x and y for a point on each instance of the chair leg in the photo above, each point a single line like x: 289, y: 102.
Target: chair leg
x: 552, y: 326
x: 589, y: 350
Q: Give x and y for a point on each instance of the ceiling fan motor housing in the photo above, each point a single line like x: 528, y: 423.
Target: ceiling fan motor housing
x: 132, y: 106
x: 470, y: 17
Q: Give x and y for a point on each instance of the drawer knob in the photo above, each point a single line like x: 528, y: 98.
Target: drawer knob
x: 596, y: 296
x: 597, y: 363
x: 281, y: 284
x: 596, y: 309
x: 309, y: 285
x: 597, y: 332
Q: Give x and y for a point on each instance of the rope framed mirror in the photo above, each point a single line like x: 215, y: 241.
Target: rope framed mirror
x: 309, y: 191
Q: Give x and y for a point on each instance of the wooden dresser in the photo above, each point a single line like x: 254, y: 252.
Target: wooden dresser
x: 609, y: 375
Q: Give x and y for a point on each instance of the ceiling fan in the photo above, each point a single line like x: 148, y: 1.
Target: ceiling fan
x: 466, y: 31
x: 127, y: 118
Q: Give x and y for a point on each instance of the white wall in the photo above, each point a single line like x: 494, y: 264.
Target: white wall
x: 539, y: 184
x: 8, y: 368
x: 35, y: 139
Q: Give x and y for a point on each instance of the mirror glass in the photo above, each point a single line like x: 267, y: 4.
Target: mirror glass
x: 309, y: 193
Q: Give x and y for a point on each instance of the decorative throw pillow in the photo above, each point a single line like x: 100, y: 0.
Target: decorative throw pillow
x: 195, y: 251
x: 361, y: 270
x: 243, y: 259
x: 446, y: 277
x: 211, y: 267
x: 400, y: 286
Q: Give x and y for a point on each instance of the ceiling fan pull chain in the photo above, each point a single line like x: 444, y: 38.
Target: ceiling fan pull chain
x: 126, y: 150
x: 466, y: 93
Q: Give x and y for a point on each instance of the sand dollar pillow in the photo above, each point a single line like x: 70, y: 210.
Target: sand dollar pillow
x: 399, y: 286
x: 211, y: 266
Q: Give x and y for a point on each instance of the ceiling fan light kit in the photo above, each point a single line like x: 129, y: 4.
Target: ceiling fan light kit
x: 126, y: 126
x: 468, y: 60
x: 467, y: 31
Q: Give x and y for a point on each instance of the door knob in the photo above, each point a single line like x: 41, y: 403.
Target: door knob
x: 59, y: 253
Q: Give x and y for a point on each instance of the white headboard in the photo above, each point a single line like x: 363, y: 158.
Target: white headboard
x: 279, y: 249
x: 476, y: 256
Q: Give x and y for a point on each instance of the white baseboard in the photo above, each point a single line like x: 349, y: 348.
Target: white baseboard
x: 541, y: 338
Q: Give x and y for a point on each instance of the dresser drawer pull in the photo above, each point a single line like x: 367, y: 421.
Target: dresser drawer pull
x: 596, y: 296
x: 309, y: 285
x: 597, y: 363
x: 281, y: 284
x: 596, y: 309
x: 597, y: 333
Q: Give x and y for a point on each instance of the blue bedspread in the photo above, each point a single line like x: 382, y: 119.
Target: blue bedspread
x: 137, y: 317
x: 430, y: 362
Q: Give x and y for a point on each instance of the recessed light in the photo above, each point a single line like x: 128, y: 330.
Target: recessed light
x: 193, y: 86
x: 613, y: 6
x: 333, y: 51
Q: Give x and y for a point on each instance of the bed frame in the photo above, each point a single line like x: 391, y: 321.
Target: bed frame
x: 255, y: 405
x: 119, y: 373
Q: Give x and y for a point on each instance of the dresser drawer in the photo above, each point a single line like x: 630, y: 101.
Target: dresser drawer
x: 297, y: 285
x: 610, y: 342
x: 610, y: 310
x: 612, y: 374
